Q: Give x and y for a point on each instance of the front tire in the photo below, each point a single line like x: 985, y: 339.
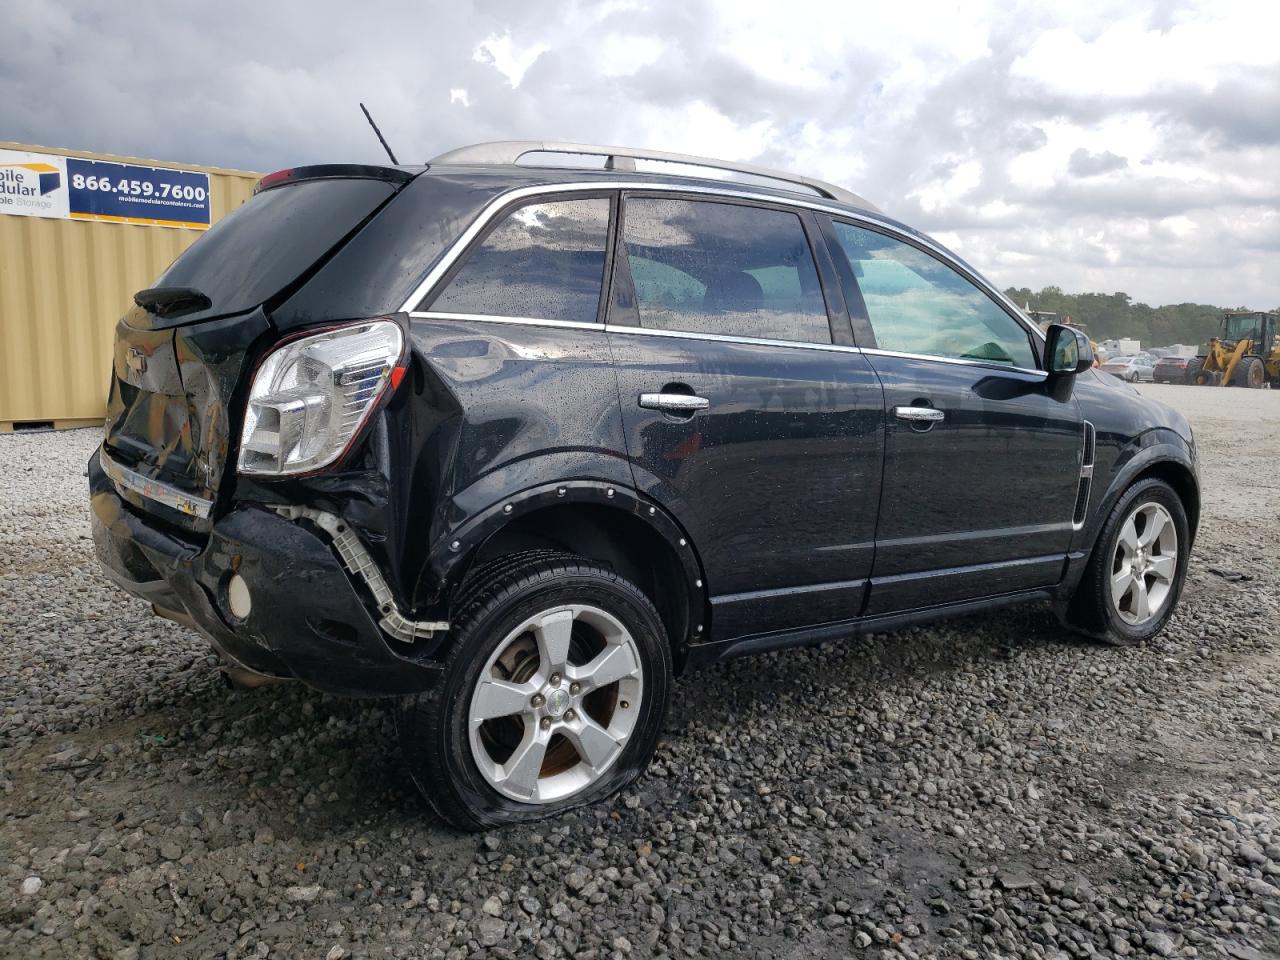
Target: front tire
x: 1249, y: 373
x: 1134, y: 577
x: 552, y: 696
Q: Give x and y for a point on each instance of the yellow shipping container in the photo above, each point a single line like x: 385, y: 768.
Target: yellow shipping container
x: 63, y: 285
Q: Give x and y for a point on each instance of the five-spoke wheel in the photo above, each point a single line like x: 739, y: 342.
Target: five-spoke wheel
x: 1131, y: 583
x: 552, y: 693
x: 1144, y: 563
x: 556, y: 703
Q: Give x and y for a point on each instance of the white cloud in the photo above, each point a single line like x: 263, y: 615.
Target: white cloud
x: 962, y: 119
x: 1131, y: 57
x: 507, y: 57
x: 951, y: 189
x: 620, y: 54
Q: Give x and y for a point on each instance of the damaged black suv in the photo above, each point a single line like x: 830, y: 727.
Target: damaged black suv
x: 516, y: 442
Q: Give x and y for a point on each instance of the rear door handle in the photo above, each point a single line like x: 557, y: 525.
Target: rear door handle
x: 674, y: 402
x: 919, y: 414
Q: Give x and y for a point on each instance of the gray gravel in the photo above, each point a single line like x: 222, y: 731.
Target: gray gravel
x: 988, y: 788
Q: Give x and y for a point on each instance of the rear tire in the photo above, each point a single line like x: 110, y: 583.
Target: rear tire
x: 570, y: 664
x: 1134, y: 577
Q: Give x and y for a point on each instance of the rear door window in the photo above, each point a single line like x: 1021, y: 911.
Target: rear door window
x: 544, y: 260
x: 917, y: 304
x: 708, y: 267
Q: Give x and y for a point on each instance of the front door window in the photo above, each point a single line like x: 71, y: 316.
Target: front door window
x: 917, y: 304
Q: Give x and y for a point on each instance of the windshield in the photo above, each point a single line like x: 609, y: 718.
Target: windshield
x: 1242, y: 328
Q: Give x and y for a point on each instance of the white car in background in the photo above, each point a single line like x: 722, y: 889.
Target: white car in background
x: 1132, y: 369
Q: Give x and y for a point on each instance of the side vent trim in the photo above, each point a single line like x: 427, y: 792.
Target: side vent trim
x: 1087, y: 449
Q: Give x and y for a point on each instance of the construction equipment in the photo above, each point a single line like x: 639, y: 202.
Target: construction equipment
x: 1247, y: 354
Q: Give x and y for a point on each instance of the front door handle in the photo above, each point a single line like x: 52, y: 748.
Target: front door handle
x: 684, y: 403
x: 919, y: 414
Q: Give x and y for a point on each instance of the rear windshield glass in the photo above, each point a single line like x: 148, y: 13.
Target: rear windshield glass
x: 256, y: 251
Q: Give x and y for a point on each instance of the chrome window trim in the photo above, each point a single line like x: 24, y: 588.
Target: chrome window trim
x: 730, y: 338
x: 164, y: 493
x: 503, y: 200
x: 637, y: 331
x: 986, y: 364
x: 494, y: 318
x: 715, y: 337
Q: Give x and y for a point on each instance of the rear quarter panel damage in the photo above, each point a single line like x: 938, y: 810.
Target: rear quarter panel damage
x: 500, y: 409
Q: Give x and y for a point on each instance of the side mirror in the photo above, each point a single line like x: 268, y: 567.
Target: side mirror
x: 1067, y: 351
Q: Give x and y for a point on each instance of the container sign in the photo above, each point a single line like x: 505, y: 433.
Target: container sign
x: 33, y: 184
x: 125, y: 193
x: 51, y: 185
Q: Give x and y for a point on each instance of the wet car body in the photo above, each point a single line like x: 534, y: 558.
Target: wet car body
x: 796, y: 507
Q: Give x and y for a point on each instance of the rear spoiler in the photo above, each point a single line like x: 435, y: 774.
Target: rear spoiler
x: 333, y: 171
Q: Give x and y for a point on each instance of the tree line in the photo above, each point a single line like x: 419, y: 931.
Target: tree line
x: 1110, y: 315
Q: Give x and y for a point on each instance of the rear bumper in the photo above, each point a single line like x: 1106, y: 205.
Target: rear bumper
x: 307, y: 620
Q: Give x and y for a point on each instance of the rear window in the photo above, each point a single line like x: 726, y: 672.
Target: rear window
x: 260, y: 249
x: 545, y: 260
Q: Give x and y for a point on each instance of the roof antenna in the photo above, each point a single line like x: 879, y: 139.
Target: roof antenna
x: 381, y: 139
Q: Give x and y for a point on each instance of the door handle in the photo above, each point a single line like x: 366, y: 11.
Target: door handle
x: 674, y: 402
x: 919, y: 414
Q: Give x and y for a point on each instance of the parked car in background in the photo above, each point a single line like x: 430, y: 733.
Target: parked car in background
x: 1131, y: 369
x: 517, y: 444
x: 1170, y: 370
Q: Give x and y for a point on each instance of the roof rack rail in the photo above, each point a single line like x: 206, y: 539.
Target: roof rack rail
x: 500, y: 152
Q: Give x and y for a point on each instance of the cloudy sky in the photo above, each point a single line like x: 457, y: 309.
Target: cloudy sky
x: 1128, y: 146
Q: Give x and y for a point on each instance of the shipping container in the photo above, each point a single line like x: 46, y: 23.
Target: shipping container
x: 67, y: 276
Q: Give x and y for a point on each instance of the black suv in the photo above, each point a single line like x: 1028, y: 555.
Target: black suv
x: 518, y: 442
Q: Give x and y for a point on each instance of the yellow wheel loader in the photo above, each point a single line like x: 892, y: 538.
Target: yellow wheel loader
x: 1247, y: 354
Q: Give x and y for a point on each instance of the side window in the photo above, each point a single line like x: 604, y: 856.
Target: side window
x: 705, y: 267
x: 545, y: 260
x: 917, y: 304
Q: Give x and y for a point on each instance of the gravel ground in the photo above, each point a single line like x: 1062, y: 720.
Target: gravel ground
x: 987, y: 788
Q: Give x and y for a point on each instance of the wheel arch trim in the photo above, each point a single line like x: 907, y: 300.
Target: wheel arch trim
x: 1161, y: 456
x: 450, y: 558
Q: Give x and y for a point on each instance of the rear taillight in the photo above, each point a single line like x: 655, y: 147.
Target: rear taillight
x: 311, y: 397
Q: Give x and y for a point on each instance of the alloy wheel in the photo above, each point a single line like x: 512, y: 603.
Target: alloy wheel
x: 555, y: 704
x: 1144, y: 564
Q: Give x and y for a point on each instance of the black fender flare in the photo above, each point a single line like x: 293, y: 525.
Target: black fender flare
x: 449, y: 558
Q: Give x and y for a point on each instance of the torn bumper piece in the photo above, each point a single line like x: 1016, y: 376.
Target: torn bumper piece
x: 306, y: 620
